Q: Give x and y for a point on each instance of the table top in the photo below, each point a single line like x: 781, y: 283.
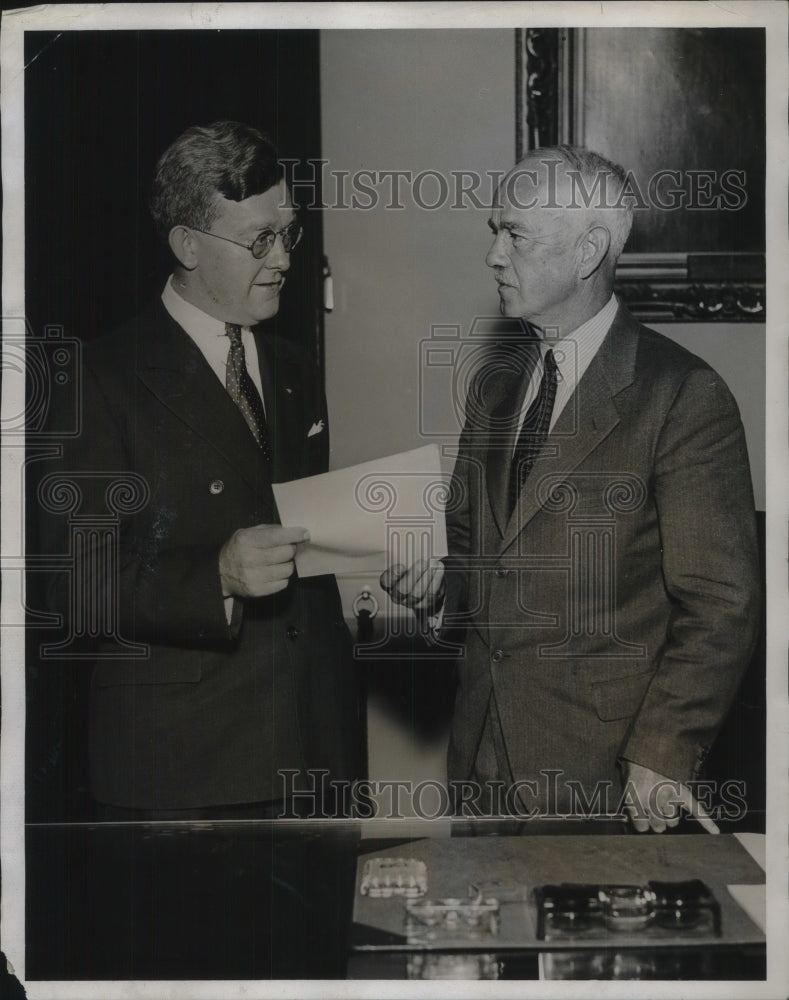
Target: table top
x: 274, y: 899
x: 510, y: 868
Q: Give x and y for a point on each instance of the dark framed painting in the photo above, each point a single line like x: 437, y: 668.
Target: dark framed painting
x: 683, y: 111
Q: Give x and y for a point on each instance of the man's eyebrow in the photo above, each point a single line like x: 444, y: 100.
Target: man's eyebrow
x: 269, y: 227
x: 511, y: 227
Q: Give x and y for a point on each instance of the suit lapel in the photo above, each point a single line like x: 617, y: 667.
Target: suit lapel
x: 498, y: 465
x: 503, y: 430
x: 588, y: 418
x: 281, y: 380
x: 174, y: 369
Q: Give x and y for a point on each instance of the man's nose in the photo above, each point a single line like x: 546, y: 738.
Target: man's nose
x: 278, y: 258
x: 496, y: 256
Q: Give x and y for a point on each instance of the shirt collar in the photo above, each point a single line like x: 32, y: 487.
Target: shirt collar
x: 601, y: 320
x: 198, y: 324
x: 583, y: 343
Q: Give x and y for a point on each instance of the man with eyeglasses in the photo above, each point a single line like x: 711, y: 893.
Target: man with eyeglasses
x: 249, y: 670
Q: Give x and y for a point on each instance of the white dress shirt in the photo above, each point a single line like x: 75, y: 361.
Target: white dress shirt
x: 210, y: 336
x: 573, y: 355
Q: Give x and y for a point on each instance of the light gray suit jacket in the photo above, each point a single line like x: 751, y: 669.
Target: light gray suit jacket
x: 615, y: 611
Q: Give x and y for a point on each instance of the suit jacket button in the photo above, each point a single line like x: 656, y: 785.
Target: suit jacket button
x: 501, y: 573
x: 497, y: 656
x: 215, y: 486
x: 292, y: 632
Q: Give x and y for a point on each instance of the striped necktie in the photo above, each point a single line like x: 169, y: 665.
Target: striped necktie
x: 534, y: 430
x: 242, y: 390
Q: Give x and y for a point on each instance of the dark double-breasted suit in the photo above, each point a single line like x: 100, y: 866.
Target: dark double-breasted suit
x: 613, y: 613
x: 214, y: 709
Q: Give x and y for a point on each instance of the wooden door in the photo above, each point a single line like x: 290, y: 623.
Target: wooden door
x: 100, y: 107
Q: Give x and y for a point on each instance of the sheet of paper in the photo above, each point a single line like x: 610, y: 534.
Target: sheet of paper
x: 752, y: 899
x: 363, y: 518
x: 756, y: 845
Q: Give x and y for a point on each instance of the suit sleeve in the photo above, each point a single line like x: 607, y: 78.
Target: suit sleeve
x: 161, y: 594
x: 456, y: 565
x: 469, y: 493
x: 706, y: 516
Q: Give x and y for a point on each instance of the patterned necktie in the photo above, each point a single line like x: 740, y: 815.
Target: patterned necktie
x: 242, y: 390
x: 534, y: 430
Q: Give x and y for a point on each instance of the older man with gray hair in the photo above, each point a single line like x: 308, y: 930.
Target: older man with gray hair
x: 603, y: 562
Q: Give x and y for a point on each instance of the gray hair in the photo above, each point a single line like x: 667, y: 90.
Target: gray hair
x: 599, y: 185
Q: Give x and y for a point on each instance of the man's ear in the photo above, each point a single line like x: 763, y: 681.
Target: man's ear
x: 592, y: 250
x: 182, y: 243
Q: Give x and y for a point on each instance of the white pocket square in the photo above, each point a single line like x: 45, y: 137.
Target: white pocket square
x: 315, y: 429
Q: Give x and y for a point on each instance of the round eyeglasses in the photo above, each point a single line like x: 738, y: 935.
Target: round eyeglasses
x: 263, y: 242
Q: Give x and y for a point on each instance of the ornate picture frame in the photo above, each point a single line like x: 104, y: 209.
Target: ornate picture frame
x: 662, y: 102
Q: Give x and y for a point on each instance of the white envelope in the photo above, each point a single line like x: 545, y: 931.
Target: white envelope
x: 365, y: 517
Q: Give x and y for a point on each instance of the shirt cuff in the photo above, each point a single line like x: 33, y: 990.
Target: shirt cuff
x: 434, y: 622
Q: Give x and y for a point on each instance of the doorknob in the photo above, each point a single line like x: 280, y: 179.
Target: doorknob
x: 328, y: 287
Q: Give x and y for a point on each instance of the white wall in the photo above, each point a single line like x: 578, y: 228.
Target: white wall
x: 416, y: 100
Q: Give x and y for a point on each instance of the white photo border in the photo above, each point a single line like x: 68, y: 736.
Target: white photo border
x: 373, y: 16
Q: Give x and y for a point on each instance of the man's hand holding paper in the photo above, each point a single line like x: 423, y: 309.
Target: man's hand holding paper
x: 361, y: 519
x: 419, y: 586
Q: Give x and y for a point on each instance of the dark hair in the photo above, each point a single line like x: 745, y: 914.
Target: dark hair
x: 225, y: 158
